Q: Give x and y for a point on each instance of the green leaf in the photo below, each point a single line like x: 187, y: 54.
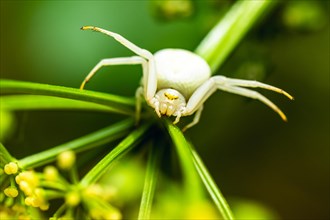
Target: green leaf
x: 121, y: 104
x: 230, y: 30
x: 37, y: 102
x: 123, y: 147
x: 89, y: 141
x: 192, y: 183
x: 194, y: 170
x: 150, y: 182
x: 211, y: 187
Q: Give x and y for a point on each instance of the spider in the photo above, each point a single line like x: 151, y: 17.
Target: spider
x: 177, y: 82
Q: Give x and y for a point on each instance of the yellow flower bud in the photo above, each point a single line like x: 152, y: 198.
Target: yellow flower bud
x: 72, y: 198
x: 26, y: 187
x: 39, y: 193
x: 11, y: 168
x: 34, y: 201
x: 11, y: 192
x: 18, y: 179
x: 44, y: 206
x: 50, y: 173
x: 28, y: 176
x: 29, y: 201
x: 66, y: 159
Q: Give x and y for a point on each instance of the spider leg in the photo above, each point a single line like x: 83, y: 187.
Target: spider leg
x: 200, y: 95
x: 220, y: 82
x: 195, y: 120
x: 139, y: 51
x: 138, y: 96
x: 255, y: 84
x: 149, y: 77
x: 115, y: 61
x: 254, y: 95
x: 178, y: 116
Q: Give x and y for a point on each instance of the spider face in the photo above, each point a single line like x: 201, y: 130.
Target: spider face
x: 177, y: 82
x: 168, y: 102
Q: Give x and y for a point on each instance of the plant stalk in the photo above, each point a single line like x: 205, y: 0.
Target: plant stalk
x: 229, y: 31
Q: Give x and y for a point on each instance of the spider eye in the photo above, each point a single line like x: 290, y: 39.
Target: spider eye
x: 170, y: 96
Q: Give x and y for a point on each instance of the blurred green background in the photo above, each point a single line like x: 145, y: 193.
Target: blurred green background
x: 250, y: 152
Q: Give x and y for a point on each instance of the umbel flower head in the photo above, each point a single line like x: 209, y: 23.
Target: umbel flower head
x: 20, y: 193
x: 27, y: 189
x: 23, y: 186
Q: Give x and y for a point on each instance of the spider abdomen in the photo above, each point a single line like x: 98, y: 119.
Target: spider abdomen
x: 181, y: 70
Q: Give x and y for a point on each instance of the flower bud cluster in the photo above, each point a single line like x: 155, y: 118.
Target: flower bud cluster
x: 99, y: 202
x: 28, y: 188
x: 20, y: 190
x: 28, y: 182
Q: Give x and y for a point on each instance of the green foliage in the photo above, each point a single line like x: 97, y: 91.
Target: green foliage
x: 228, y: 32
x: 116, y: 103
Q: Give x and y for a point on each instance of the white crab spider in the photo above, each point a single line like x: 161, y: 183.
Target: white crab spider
x: 177, y: 82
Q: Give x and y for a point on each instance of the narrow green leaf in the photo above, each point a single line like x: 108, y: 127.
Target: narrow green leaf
x: 150, y: 182
x: 229, y: 31
x: 191, y: 179
x: 211, y: 187
x: 5, y: 155
x: 91, y: 140
x: 122, y: 148
x: 122, y: 104
x: 38, y: 102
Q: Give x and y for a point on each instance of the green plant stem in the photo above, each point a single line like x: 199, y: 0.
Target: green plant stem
x: 229, y: 31
x: 192, y: 183
x: 38, y: 102
x: 123, y: 147
x: 54, y: 194
x: 59, y: 211
x: 122, y: 104
x: 94, y: 139
x: 150, y: 182
x: 5, y: 155
x: 211, y: 187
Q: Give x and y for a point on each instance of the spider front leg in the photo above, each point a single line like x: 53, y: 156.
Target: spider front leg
x: 118, y: 61
x: 149, y: 77
x: 115, y: 61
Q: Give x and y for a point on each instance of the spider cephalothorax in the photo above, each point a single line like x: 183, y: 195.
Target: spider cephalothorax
x: 177, y: 82
x: 168, y: 102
